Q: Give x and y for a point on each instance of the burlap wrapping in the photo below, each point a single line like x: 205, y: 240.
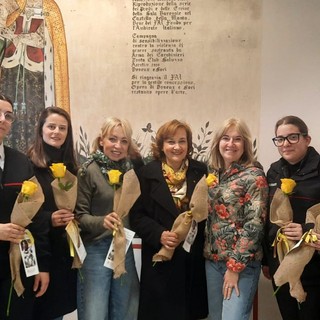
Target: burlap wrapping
x: 124, y: 198
x: 67, y: 200
x: 281, y: 214
x: 22, y: 214
x: 198, y: 212
x: 293, y: 264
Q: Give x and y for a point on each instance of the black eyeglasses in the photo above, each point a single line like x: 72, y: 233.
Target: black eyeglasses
x: 291, y: 138
x: 8, y: 116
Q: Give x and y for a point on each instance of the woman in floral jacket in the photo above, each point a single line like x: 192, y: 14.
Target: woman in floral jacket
x: 234, y: 230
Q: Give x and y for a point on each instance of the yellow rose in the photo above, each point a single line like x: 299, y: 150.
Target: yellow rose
x: 58, y: 170
x: 114, y: 176
x: 287, y: 185
x: 211, y: 179
x: 28, y: 189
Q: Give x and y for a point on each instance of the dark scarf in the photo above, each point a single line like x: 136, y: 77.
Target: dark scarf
x: 105, y: 164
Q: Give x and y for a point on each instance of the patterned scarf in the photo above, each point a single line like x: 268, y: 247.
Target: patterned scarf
x: 176, y: 182
x: 105, y: 164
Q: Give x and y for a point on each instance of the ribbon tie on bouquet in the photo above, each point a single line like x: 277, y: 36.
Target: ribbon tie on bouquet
x: 281, y: 214
x: 198, y: 211
x: 295, y: 260
x: 64, y: 188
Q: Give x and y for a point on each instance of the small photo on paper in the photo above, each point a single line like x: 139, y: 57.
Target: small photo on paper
x: 111, y: 255
x: 28, y: 254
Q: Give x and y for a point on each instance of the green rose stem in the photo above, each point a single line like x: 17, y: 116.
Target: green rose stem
x: 276, y: 291
x: 9, y: 299
x: 81, y: 275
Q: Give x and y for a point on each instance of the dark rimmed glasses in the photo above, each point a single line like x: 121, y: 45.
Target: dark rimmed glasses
x: 291, y: 138
x: 8, y: 116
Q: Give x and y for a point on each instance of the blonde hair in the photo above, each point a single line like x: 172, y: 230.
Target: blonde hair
x: 111, y: 123
x: 216, y: 160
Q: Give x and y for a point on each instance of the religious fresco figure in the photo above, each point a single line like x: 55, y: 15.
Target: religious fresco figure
x: 34, y: 63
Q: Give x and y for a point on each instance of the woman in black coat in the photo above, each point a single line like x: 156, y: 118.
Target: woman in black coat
x: 174, y: 289
x: 54, y: 144
x: 300, y: 162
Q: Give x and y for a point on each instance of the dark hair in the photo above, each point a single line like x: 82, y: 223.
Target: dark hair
x: 296, y: 121
x: 36, y: 152
x: 24, y: 244
x: 166, y: 131
x: 5, y: 98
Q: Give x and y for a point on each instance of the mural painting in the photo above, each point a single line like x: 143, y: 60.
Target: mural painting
x: 34, y: 66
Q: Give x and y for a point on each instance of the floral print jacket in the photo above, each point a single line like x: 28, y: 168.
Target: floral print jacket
x: 237, y: 211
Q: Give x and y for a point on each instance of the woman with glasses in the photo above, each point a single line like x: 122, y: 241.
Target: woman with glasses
x: 14, y: 169
x: 300, y: 162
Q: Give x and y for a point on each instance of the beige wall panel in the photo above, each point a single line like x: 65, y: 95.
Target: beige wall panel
x: 221, y: 44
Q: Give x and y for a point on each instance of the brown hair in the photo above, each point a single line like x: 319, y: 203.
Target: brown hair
x: 166, y: 131
x: 36, y: 152
x: 5, y: 98
x: 296, y: 121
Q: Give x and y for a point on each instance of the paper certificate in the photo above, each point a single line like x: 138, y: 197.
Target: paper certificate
x: 110, y: 255
x: 28, y: 254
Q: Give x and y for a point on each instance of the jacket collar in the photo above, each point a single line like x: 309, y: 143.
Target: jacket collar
x: 1, y: 156
x: 309, y: 165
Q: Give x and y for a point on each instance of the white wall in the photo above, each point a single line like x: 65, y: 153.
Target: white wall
x: 290, y: 69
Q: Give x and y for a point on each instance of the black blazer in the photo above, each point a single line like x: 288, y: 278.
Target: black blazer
x: 18, y: 168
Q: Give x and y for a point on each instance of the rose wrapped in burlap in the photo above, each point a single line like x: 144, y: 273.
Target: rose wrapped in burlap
x: 293, y: 264
x: 27, y: 204
x: 198, y: 211
x: 64, y: 188
x: 124, y: 198
x: 281, y: 214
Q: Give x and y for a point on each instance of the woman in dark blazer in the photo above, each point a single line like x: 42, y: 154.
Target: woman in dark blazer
x: 15, y: 168
x: 174, y: 289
